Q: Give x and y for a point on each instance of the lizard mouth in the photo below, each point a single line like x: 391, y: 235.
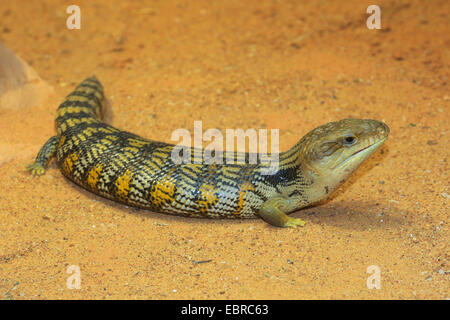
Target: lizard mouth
x: 367, y: 151
x: 359, y: 151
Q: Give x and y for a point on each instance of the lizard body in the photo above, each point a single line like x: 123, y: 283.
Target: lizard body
x: 138, y: 172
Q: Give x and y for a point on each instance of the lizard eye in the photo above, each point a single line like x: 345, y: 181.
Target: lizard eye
x: 349, y: 140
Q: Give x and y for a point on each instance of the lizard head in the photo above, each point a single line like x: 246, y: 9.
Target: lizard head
x: 333, y: 151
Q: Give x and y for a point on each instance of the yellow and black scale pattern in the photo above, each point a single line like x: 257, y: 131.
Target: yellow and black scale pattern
x: 124, y: 167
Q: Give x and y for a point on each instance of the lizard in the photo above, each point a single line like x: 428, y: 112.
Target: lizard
x: 139, y: 172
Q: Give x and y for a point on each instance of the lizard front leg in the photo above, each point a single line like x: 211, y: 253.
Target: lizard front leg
x: 44, y: 156
x: 272, y: 212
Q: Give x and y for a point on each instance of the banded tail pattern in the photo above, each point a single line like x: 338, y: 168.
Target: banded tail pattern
x: 85, y: 102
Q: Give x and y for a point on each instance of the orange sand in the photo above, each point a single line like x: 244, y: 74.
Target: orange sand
x: 234, y: 64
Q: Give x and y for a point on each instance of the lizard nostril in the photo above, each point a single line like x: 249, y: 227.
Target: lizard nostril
x: 383, y: 129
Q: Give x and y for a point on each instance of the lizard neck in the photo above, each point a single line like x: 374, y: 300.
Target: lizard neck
x: 301, y: 183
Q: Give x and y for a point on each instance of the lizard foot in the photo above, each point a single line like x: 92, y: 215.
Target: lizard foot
x: 36, y: 169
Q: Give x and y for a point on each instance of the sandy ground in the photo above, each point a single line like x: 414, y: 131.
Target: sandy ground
x: 285, y: 65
